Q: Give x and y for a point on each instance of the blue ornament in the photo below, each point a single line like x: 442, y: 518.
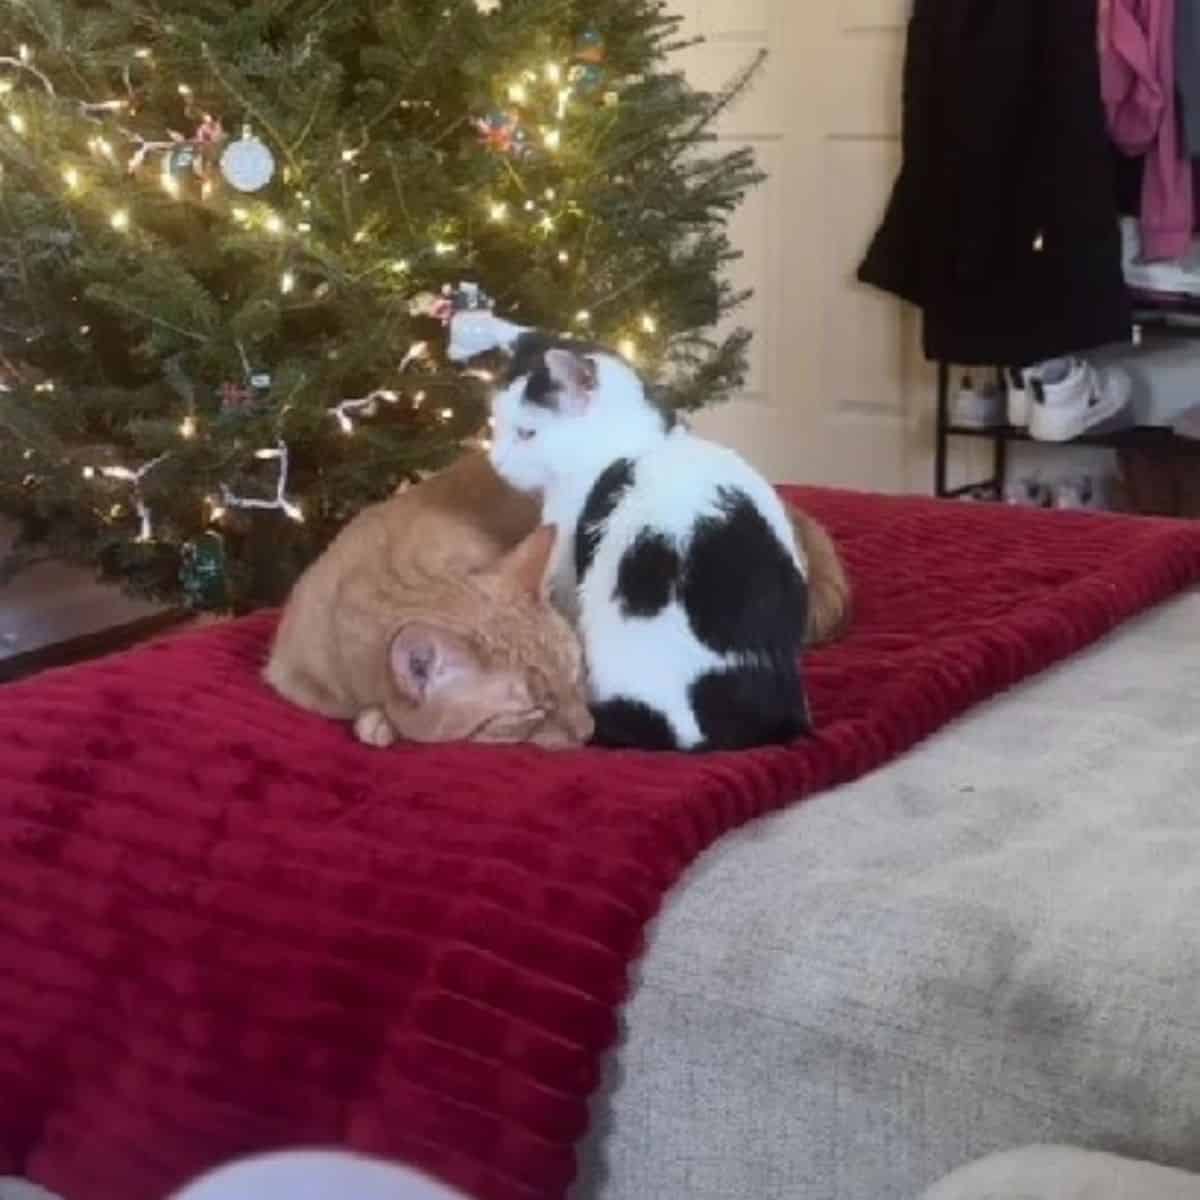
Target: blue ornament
x: 591, y: 78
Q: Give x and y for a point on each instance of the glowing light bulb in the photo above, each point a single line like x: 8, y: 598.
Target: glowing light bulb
x: 583, y: 317
x: 446, y: 414
x: 553, y: 72
x: 17, y: 123
x: 399, y: 266
x: 184, y: 90
x: 348, y: 156
x: 628, y: 349
x: 418, y: 399
x: 268, y: 453
x: 552, y: 138
x: 274, y: 224
x: 71, y: 178
x: 142, y: 52
x: 551, y: 195
x: 25, y: 53
x: 239, y: 214
x: 287, y: 282
x: 217, y: 510
x: 120, y: 220
x: 547, y: 224
x: 518, y: 93
x: 187, y: 427
x: 564, y: 257
x: 304, y: 227
x: 443, y: 248
x: 649, y: 324
x: 89, y: 472
x: 360, y: 236
x: 499, y: 212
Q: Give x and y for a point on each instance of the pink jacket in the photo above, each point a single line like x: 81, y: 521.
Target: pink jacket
x: 1137, y: 72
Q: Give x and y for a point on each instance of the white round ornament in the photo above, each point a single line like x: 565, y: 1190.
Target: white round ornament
x: 248, y: 164
x: 478, y: 331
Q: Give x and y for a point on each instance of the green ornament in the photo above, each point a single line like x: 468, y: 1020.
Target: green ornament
x: 202, y: 573
x: 185, y: 160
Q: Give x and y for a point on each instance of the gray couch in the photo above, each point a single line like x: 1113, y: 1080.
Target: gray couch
x: 994, y: 942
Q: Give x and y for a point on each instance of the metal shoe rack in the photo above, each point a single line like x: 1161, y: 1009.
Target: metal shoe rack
x: 1142, y: 437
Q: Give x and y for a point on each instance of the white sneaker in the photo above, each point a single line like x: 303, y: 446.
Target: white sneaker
x: 1018, y: 397
x: 1180, y: 278
x: 1071, y: 397
x: 977, y: 407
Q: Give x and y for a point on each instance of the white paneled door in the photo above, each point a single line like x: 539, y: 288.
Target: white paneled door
x: 836, y: 394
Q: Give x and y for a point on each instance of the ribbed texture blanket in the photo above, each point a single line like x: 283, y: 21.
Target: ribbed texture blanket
x: 226, y: 927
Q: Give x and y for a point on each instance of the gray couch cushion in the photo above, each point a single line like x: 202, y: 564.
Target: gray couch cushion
x: 1062, y: 1173
x: 994, y: 942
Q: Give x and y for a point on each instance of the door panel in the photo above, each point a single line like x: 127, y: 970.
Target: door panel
x: 836, y: 392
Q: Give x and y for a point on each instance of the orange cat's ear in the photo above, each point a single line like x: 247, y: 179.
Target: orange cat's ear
x: 426, y: 658
x: 528, y: 564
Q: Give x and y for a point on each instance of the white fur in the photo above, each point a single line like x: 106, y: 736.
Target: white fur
x: 677, y: 480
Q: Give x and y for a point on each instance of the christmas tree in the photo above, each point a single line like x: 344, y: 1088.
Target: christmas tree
x: 231, y: 234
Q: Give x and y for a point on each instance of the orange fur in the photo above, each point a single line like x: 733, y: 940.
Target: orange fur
x: 448, y: 560
x: 455, y: 568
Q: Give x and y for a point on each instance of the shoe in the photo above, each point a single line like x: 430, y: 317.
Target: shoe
x: 1018, y: 397
x: 1166, y: 279
x: 978, y: 407
x: 1028, y: 492
x: 1074, y: 493
x: 1071, y: 398
x: 1188, y: 425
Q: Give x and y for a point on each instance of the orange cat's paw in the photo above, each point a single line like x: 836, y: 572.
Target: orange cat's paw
x: 374, y: 729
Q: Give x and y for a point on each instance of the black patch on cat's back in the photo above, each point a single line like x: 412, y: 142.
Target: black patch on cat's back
x: 624, y: 724
x: 602, y: 501
x: 741, y: 589
x: 755, y: 705
x: 647, y: 575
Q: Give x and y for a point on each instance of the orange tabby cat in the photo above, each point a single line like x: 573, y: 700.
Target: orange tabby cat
x: 427, y: 619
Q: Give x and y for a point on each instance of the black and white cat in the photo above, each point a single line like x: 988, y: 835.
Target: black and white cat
x: 674, y: 556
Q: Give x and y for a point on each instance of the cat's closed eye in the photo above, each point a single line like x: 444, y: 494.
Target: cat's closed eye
x: 526, y: 435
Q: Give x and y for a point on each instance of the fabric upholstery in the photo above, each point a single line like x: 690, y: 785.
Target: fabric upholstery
x: 991, y: 943
x: 1063, y: 1173
x: 227, y: 928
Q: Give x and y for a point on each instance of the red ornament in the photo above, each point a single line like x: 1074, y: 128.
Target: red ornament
x: 236, y: 397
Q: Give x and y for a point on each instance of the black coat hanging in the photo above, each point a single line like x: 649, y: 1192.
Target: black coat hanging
x: 1003, y: 225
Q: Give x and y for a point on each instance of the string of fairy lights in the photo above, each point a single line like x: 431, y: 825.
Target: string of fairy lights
x: 543, y: 215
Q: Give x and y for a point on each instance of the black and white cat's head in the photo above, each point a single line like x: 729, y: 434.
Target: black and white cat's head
x: 566, y: 409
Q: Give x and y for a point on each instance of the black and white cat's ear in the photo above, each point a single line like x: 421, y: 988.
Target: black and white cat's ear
x: 426, y: 658
x: 577, y: 377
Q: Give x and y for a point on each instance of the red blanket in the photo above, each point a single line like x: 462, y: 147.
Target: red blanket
x: 226, y: 927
